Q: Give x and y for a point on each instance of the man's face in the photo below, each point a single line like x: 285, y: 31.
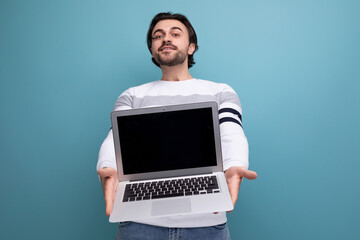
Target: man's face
x: 170, y: 43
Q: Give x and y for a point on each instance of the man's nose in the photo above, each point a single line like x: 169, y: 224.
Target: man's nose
x: 167, y: 38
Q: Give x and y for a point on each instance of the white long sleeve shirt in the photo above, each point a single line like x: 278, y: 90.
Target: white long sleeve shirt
x: 233, y: 140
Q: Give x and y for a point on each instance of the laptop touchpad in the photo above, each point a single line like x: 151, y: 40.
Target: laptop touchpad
x: 171, y: 206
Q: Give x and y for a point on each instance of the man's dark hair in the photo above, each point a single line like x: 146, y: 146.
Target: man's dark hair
x: 168, y: 15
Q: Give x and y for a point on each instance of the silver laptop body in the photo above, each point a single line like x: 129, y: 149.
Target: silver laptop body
x: 158, y: 150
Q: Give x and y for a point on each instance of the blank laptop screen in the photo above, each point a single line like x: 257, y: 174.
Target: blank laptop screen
x: 167, y: 141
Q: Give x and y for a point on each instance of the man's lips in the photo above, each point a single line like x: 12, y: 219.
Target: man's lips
x: 167, y: 48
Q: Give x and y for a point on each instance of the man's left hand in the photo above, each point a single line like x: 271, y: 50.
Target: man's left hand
x: 234, y: 176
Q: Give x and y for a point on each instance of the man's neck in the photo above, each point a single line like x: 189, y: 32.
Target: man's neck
x: 175, y: 73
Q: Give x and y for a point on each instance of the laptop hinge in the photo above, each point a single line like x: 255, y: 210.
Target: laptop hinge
x: 151, y: 179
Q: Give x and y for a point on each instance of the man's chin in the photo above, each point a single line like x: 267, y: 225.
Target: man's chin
x: 170, y: 59
x: 170, y: 64
x: 167, y: 62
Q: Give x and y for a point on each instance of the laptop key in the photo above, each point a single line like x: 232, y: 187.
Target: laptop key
x: 168, y: 195
x: 211, y: 186
x: 130, y: 194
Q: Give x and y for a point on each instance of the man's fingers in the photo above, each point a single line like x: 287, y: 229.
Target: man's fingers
x: 248, y: 174
x: 109, y: 181
x: 234, y: 176
x: 240, y: 172
x: 233, y: 185
x: 234, y: 190
x: 109, y: 194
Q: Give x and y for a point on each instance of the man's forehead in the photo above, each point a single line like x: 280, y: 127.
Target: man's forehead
x: 168, y: 24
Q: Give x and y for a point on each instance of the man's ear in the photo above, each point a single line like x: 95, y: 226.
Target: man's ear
x: 191, y: 49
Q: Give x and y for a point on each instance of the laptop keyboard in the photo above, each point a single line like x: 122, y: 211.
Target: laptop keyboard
x: 171, y: 188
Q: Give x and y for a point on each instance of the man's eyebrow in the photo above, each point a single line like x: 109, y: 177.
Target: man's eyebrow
x: 158, y: 30
x: 176, y: 28
x: 161, y: 30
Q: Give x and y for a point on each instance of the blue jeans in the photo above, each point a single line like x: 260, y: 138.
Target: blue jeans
x: 138, y: 231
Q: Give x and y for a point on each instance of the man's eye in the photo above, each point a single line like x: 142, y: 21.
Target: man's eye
x: 176, y: 35
x: 158, y: 36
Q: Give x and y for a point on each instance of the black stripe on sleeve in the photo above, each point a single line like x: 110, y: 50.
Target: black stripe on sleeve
x: 229, y: 119
x: 231, y: 110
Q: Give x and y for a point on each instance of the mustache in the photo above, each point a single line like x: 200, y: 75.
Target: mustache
x: 167, y: 45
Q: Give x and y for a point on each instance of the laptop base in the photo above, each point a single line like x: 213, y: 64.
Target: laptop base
x: 195, y: 204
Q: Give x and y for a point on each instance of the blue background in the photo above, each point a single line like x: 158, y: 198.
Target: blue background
x: 294, y: 64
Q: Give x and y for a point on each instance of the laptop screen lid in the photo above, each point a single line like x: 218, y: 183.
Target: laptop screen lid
x: 167, y: 141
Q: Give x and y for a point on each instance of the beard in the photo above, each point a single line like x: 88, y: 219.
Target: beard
x: 165, y: 60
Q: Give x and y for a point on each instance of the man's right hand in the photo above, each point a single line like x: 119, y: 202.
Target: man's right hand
x: 109, y: 181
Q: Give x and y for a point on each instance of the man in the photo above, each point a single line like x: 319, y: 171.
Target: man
x: 172, y: 42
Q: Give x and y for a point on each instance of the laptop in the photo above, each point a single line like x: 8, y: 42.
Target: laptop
x: 169, y: 162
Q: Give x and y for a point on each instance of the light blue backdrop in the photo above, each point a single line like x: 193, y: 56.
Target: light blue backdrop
x: 295, y: 65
